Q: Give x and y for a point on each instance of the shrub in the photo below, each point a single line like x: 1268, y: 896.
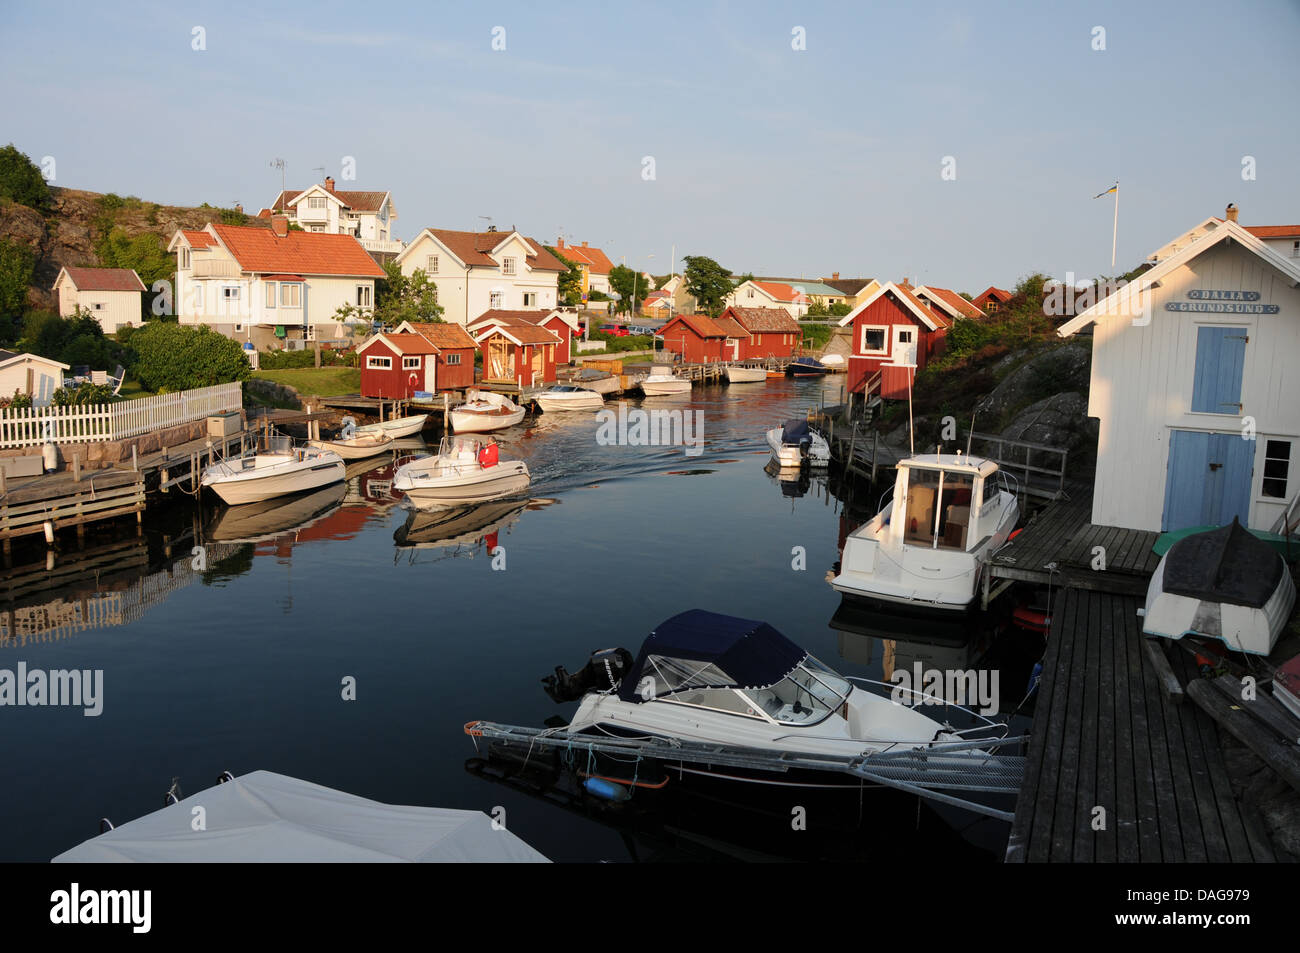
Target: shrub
x: 173, y: 357
x: 329, y: 357
x: 82, y: 394
x: 21, y: 180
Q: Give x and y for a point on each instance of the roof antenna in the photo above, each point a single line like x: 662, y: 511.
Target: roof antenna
x: 970, y: 434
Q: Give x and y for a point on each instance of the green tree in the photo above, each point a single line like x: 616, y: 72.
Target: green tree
x: 17, y: 262
x: 144, y: 253
x: 74, y: 340
x: 839, y: 309
x: 570, y: 287
x: 627, y: 283
x: 172, y: 357
x: 817, y: 310
x: 21, y: 181
x: 398, y: 298
x: 707, y: 282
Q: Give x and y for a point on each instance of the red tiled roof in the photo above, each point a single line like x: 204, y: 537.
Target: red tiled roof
x: 597, y: 261
x: 513, y: 318
x: 730, y: 326
x: 442, y: 335
x: 764, y: 320
x: 777, y: 290
x: 104, y: 279
x: 472, y: 248
x: 358, y: 201
x: 198, y: 239
x: 956, y: 301
x: 1274, y: 231
x: 404, y: 343
x: 998, y: 293
x: 701, y: 324
x: 525, y: 333
x: 260, y: 250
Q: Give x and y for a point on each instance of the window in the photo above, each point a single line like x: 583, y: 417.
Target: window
x: 185, y: 257
x: 431, y: 265
x: 239, y: 328
x: 318, y: 228
x: 270, y: 294
x: 316, y: 201
x: 874, y: 340
x: 363, y: 296
x: 290, y: 294
x: 530, y: 299
x: 379, y: 363
x: 1295, y: 249
x: 1277, y: 467
x: 410, y: 363
x: 507, y: 266
x: 495, y: 301
x: 453, y: 358
x: 97, y: 306
x: 230, y: 292
x: 749, y: 293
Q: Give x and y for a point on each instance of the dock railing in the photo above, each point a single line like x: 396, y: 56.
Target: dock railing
x: 1040, y: 468
x: 92, y: 423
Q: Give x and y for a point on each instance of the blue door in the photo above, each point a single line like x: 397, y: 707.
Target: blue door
x: 1220, y: 358
x: 1208, y: 480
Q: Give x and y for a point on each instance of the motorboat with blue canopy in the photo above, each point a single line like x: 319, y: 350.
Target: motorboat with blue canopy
x: 796, y: 444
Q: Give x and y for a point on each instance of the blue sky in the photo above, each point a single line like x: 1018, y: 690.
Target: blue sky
x: 769, y: 159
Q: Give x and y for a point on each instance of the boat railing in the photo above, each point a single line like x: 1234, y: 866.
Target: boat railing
x: 997, y: 729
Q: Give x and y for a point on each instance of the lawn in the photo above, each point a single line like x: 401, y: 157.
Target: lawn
x: 317, y: 381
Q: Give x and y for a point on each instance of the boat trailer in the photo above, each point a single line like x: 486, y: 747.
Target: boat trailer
x: 925, y: 770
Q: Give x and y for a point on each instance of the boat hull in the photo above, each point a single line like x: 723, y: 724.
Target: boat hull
x: 665, y: 388
x: 397, y: 429
x: 471, y: 421
x: 555, y: 404
x: 745, y: 375
x: 505, y: 479
x: 257, y: 488
x: 355, y: 449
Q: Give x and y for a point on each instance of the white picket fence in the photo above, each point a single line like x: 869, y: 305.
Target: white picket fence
x: 34, y: 426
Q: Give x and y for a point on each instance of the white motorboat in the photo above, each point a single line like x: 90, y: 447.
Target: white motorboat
x: 662, y: 382
x: 356, y: 448
x: 454, y: 527
x: 795, y: 444
x: 484, y: 411
x: 927, y: 547
x: 568, y: 397
x: 1223, y: 584
x: 398, y: 427
x: 710, y: 678
x: 466, y: 469
x: 746, y: 373
x: 277, y: 472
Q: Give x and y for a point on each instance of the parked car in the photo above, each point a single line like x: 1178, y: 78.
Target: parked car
x: 618, y: 330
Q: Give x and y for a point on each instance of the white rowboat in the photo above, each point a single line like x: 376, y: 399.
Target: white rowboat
x: 484, y: 411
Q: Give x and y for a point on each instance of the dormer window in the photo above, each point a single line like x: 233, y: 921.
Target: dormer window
x: 507, y: 266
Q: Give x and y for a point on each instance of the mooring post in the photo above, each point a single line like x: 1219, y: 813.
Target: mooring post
x: 135, y: 463
x: 3, y: 488
x: 446, y: 409
x: 76, y: 468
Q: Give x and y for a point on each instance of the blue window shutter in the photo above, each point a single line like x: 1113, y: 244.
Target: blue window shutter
x: 1220, y: 358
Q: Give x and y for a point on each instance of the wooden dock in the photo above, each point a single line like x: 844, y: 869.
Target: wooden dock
x: 1116, y: 772
x: 51, y: 502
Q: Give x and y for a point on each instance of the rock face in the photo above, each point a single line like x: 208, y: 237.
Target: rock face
x: 1055, y: 371
x: 1058, y: 421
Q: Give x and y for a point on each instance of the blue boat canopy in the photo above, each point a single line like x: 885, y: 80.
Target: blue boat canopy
x: 698, y: 649
x: 795, y: 431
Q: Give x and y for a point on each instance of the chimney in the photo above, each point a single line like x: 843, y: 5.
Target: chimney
x: 559, y: 242
x: 905, y: 284
x: 329, y: 182
x: 1230, y: 213
x: 239, y: 207
x: 280, y: 225
x: 835, y: 276
x: 584, y: 244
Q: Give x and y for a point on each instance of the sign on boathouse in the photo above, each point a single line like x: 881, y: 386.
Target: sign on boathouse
x: 1222, y: 302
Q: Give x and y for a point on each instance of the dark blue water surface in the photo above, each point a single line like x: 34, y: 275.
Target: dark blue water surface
x: 240, y: 667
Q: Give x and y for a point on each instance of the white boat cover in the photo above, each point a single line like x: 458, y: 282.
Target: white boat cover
x: 270, y: 818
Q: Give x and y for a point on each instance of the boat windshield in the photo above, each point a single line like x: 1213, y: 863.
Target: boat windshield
x: 809, y: 694
x: 938, y: 507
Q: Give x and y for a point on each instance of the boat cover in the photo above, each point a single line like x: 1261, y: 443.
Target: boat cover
x: 750, y: 652
x: 1227, y: 565
x: 268, y: 817
x: 795, y: 432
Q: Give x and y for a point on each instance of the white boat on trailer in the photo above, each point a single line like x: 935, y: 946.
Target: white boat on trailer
x: 278, y: 471
x: 484, y: 411
x: 795, y: 445
x: 466, y: 469
x: 928, y: 546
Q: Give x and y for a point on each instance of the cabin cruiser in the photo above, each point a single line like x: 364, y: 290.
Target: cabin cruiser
x: 484, y: 411
x: 711, y: 678
x: 466, y: 469
x: 1223, y: 584
x: 278, y: 471
x: 568, y: 397
x: 795, y: 444
x: 746, y: 373
x: 662, y: 382
x: 927, y: 547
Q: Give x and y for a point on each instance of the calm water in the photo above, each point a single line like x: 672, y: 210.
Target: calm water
x: 240, y: 667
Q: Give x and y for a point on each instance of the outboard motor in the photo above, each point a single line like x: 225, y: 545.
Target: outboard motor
x: 603, y: 671
x: 805, y: 447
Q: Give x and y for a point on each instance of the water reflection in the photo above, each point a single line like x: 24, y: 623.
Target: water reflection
x: 458, y: 529
x: 253, y: 522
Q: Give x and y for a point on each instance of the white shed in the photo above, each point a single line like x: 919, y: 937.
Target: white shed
x: 112, y: 295
x: 1195, y: 384
x: 29, y: 374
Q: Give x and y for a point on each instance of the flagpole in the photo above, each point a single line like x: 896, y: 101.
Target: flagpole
x: 1114, y: 235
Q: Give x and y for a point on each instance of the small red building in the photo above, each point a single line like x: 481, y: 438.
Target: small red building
x: 992, y: 299
x: 520, y: 354
x: 563, y: 323
x: 896, y: 334
x: 454, y: 356
x: 696, y: 337
x: 769, y: 332
x: 395, y: 366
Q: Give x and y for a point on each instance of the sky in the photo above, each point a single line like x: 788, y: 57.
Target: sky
x: 959, y: 144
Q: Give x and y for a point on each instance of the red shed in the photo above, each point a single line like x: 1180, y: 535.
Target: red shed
x: 563, y: 323
x: 520, y: 354
x: 395, y: 366
x: 770, y: 332
x: 894, y: 333
x: 696, y: 337
x: 992, y: 298
x: 454, y: 356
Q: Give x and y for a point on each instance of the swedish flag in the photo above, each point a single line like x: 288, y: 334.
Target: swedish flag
x: 1113, y: 188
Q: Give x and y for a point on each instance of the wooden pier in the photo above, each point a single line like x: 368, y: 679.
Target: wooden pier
x: 1117, y: 771
x: 48, y: 503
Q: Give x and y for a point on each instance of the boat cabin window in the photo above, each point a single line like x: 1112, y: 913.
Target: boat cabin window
x: 990, y: 489
x: 809, y: 694
x: 938, y: 507
x: 720, y: 699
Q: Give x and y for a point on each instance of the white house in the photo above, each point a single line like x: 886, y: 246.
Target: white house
x: 112, y: 295
x: 38, y: 377
x: 481, y: 271
x: 271, y: 286
x: 366, y: 216
x: 1283, y: 239
x: 770, y: 294
x: 1194, y: 383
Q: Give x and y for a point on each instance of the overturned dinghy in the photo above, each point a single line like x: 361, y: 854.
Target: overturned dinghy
x: 1222, y: 584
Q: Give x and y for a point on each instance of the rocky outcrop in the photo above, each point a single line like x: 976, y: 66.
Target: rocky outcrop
x: 1058, y: 421
x: 1051, y: 372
